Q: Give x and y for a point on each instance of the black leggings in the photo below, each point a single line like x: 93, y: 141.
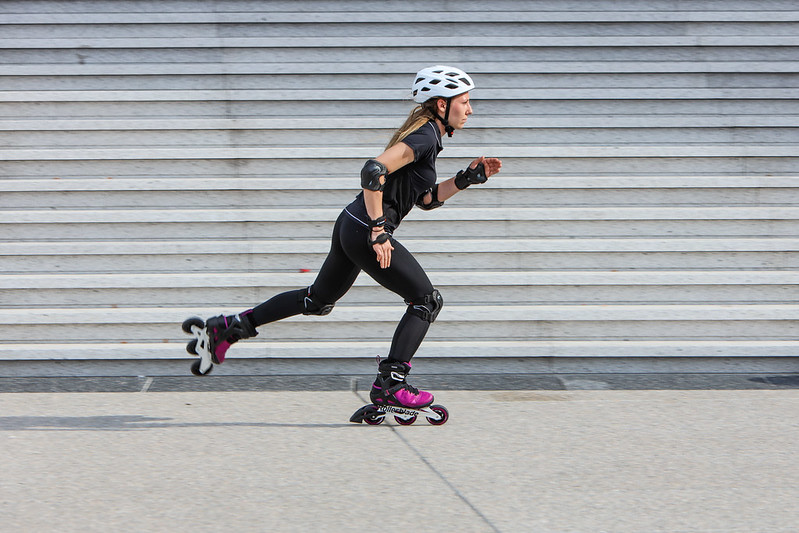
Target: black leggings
x: 349, y: 254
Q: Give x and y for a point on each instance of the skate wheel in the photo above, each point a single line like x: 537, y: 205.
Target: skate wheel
x: 405, y: 421
x: 195, y: 369
x: 193, y: 321
x: 442, y: 412
x: 191, y: 347
x: 375, y: 419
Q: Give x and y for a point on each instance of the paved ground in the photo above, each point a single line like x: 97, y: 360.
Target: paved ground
x: 718, y: 458
x: 214, y: 383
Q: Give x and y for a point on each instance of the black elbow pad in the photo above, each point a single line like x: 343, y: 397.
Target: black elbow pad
x: 371, y: 175
x: 434, y: 203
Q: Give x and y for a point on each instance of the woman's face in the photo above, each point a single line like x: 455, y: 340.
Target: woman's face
x: 459, y: 110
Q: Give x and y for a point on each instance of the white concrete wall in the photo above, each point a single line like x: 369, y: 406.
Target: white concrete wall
x: 163, y: 159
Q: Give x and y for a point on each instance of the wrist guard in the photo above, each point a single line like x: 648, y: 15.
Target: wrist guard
x: 470, y: 176
x: 380, y: 239
x: 378, y: 223
x: 371, y: 175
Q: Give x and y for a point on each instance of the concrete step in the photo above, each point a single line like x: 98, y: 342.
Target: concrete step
x: 289, y: 162
x: 295, y: 255
x: 376, y: 44
x: 242, y: 78
x: 480, y: 214
x: 451, y: 278
x: 374, y: 94
x: 610, y: 165
x: 257, y: 349
x: 246, y: 289
x: 360, y: 152
x: 462, y: 322
x: 430, y: 245
x: 198, y: 192
x: 113, y: 227
x: 486, y: 109
x: 642, y: 134
x: 493, y: 123
x: 454, y: 293
x: 144, y: 316
x: 611, y: 8
x: 557, y: 53
x: 333, y: 182
x: 515, y: 68
x: 78, y: 22
x: 411, y: 229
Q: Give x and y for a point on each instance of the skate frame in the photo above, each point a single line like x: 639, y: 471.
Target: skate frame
x: 407, y: 413
x: 203, y: 343
x: 374, y: 414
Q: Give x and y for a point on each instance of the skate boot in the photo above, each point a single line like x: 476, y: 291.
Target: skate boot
x: 391, y: 388
x: 214, y: 337
x: 391, y: 394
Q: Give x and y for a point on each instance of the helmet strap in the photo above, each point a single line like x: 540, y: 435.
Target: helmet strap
x: 445, y: 121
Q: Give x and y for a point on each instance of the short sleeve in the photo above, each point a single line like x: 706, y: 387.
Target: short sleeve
x: 423, y: 142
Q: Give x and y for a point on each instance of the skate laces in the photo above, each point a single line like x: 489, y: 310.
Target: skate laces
x: 412, y: 390
x: 404, y: 386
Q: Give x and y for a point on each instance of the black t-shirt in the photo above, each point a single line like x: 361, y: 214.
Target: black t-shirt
x: 404, y: 186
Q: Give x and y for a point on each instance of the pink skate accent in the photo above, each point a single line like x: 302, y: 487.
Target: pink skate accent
x: 221, y: 350
x: 414, y: 400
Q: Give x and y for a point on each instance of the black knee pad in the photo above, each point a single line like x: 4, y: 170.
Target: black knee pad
x: 312, y: 305
x: 428, y: 307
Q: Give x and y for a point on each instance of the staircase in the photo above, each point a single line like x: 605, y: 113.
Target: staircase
x: 164, y: 159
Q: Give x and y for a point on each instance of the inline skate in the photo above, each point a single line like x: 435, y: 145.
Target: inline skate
x: 391, y: 394
x: 213, y: 338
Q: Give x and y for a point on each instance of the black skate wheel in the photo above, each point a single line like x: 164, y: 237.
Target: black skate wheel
x: 405, y: 421
x: 375, y: 419
x: 191, y: 347
x: 193, y: 321
x: 195, y: 369
x: 442, y: 412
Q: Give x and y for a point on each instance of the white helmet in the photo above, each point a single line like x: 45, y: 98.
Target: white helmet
x: 440, y: 81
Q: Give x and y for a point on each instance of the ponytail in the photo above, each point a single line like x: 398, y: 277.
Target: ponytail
x: 420, y: 116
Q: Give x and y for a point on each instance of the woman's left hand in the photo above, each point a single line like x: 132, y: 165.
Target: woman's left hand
x: 492, y: 165
x: 382, y: 251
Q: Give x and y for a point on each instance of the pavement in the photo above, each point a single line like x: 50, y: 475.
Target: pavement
x: 598, y: 453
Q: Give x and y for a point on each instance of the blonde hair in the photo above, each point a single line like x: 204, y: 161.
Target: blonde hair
x: 418, y: 117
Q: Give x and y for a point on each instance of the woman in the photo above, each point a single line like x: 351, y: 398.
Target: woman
x: 404, y: 175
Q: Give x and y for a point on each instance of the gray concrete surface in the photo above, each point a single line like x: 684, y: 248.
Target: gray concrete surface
x: 543, y: 460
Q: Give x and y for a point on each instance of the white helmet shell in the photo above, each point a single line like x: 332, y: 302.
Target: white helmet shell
x: 440, y: 81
